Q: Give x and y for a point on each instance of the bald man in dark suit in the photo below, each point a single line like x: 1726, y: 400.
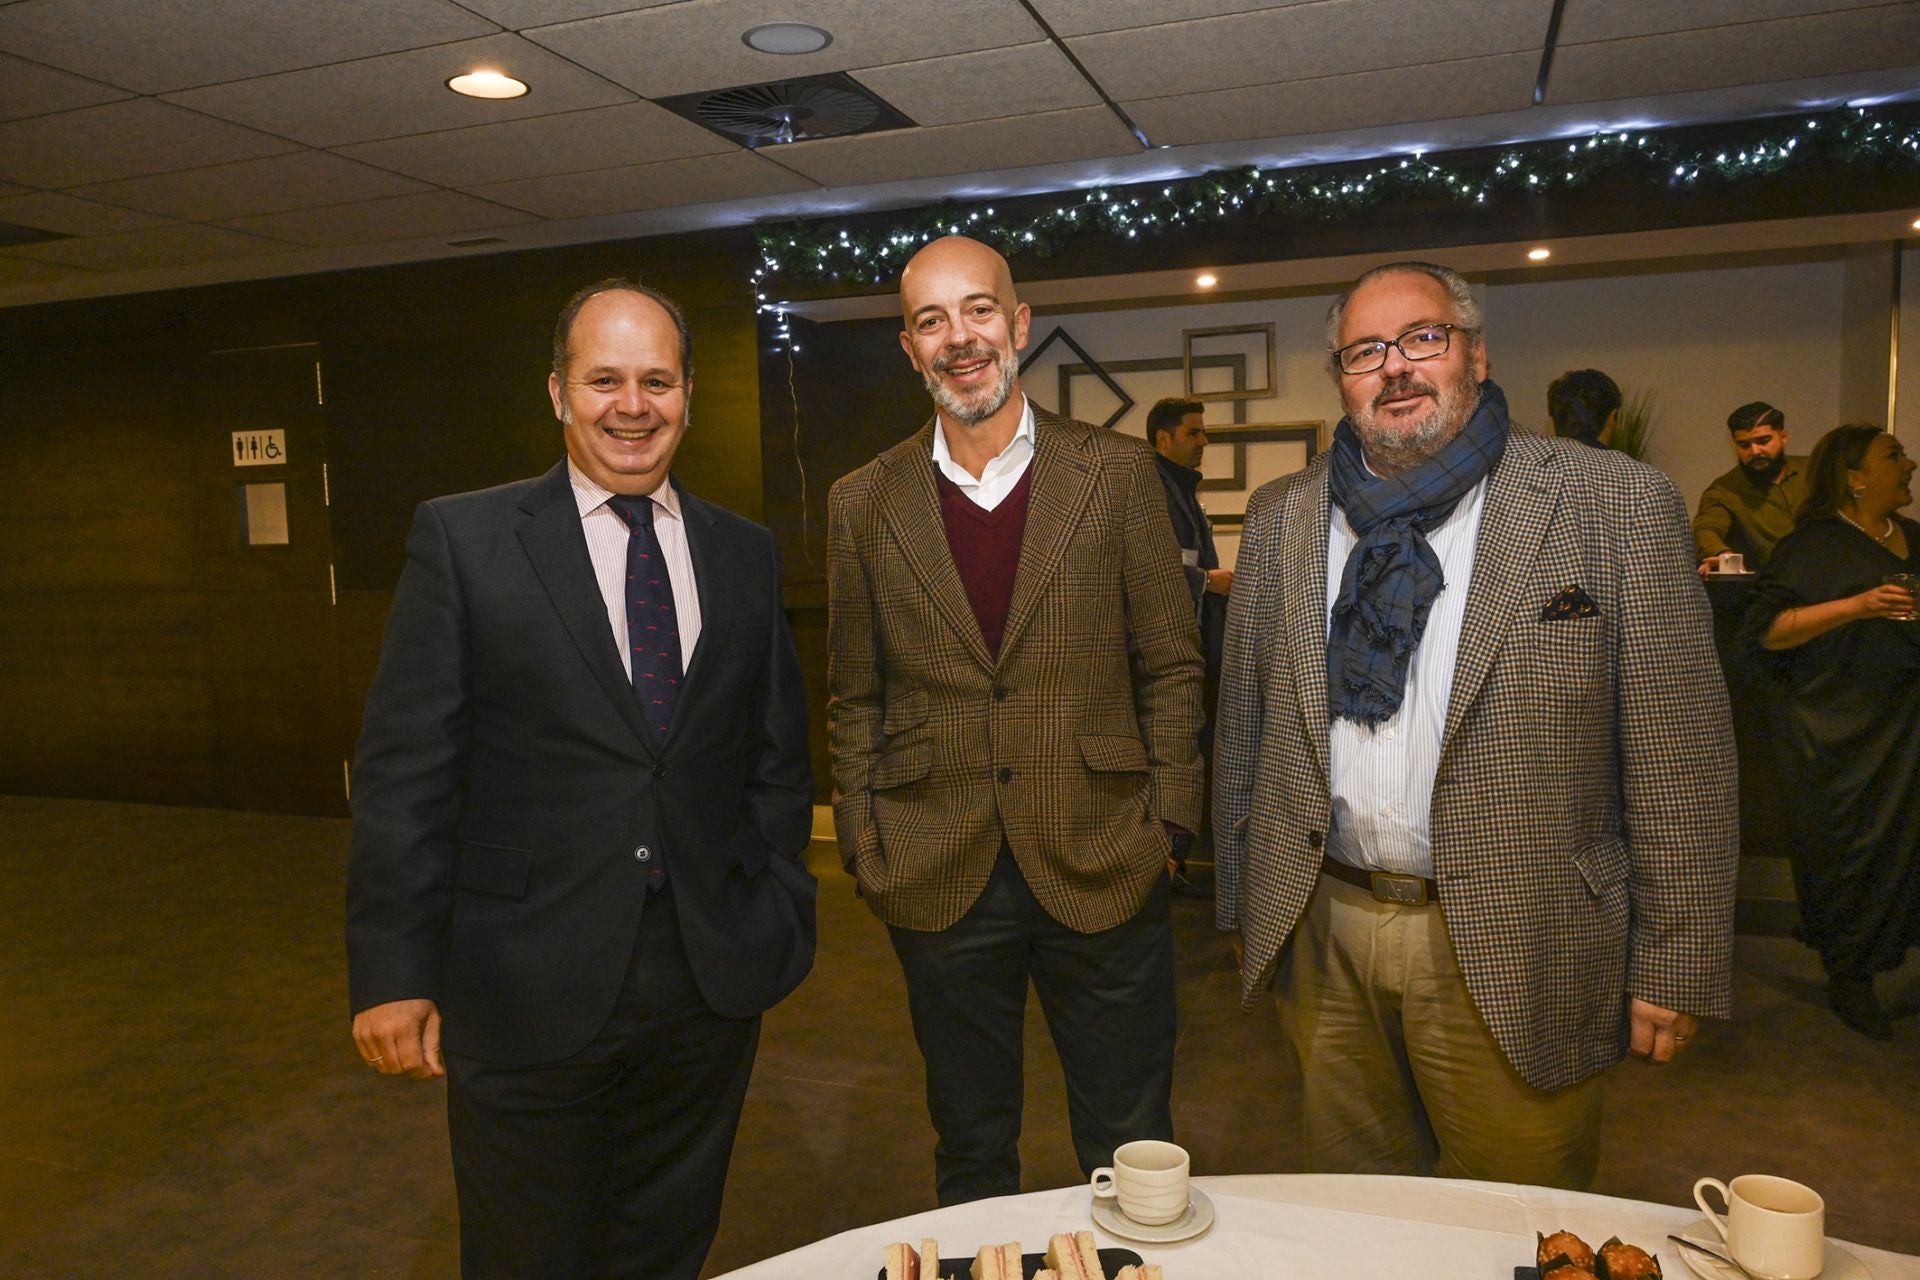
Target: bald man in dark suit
x: 580, y: 803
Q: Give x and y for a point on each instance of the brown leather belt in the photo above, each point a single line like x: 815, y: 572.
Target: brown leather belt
x: 1385, y: 886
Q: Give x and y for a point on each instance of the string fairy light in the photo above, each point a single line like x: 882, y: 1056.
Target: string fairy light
x: 1886, y: 139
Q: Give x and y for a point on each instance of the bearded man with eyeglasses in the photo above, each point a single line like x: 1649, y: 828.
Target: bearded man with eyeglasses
x: 1476, y: 825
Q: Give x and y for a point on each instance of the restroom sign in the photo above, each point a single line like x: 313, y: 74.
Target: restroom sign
x: 259, y: 448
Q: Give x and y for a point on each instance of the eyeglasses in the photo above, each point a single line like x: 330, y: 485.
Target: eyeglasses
x: 1421, y: 343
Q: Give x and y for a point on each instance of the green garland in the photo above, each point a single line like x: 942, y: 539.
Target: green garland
x: 825, y: 250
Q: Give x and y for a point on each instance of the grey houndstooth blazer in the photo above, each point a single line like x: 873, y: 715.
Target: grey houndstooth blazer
x: 1075, y: 741
x: 1584, y: 822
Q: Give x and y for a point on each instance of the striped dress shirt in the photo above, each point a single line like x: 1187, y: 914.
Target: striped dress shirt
x: 1383, y: 777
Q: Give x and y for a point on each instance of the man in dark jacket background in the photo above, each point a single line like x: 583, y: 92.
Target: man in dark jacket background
x: 1178, y: 433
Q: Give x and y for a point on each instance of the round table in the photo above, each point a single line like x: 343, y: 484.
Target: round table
x: 1309, y: 1227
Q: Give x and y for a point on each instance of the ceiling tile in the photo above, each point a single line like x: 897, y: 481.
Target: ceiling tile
x: 52, y: 211
x: 1299, y: 42
x: 296, y: 180
x: 159, y: 247
x: 685, y: 48
x: 1750, y: 53
x: 122, y: 140
x: 1476, y: 86
x: 428, y: 213
x: 572, y: 142
x: 982, y: 86
x: 520, y: 14
x: 960, y: 148
x: 737, y: 175
x: 1587, y: 20
x: 29, y: 89
x: 402, y: 93
x: 153, y: 47
x: 1083, y: 17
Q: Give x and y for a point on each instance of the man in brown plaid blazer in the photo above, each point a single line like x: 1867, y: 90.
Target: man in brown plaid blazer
x: 1014, y: 712
x: 1495, y: 851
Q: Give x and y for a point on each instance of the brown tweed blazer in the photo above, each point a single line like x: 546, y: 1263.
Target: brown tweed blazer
x: 1583, y: 824
x: 1075, y: 743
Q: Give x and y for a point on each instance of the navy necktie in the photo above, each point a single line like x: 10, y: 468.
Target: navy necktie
x: 653, y: 626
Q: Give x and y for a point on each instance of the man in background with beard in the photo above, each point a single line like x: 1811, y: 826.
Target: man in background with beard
x: 1014, y: 709
x: 1751, y: 507
x: 1471, y: 760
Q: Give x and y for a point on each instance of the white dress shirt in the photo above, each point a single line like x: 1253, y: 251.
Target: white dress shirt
x: 1383, y: 777
x: 607, y: 535
x: 1002, y: 472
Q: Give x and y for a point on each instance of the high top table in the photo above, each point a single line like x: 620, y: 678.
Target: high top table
x: 1316, y: 1227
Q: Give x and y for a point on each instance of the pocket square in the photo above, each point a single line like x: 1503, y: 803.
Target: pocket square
x: 1572, y: 602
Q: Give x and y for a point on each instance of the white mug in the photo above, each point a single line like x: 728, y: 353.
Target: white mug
x: 1774, y: 1228
x: 1148, y: 1178
x: 1732, y: 562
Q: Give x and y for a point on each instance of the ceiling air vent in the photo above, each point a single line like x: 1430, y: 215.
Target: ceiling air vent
x: 758, y: 115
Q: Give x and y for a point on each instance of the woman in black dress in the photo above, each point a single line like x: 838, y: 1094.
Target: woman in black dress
x: 1843, y: 642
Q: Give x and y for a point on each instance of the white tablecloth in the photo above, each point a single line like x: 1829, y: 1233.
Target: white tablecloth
x: 1304, y: 1227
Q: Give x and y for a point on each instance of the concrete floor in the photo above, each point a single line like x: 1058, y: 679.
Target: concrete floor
x: 179, y: 1098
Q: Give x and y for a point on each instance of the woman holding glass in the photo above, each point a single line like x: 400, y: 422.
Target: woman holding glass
x: 1834, y: 613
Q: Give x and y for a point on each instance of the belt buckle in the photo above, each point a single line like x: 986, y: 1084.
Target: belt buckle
x: 1399, y: 890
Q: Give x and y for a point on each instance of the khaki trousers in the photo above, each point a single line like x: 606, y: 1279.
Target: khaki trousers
x: 1399, y: 1073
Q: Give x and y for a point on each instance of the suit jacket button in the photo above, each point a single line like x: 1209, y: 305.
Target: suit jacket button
x: 659, y: 771
x: 1006, y: 775
x: 1000, y: 693
x: 642, y: 854
x: 1315, y: 839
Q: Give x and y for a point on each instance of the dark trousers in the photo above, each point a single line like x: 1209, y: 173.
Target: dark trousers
x: 1108, y: 999
x: 610, y: 1163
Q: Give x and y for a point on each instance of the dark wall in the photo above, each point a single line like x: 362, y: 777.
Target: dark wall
x: 848, y: 394
x: 146, y: 653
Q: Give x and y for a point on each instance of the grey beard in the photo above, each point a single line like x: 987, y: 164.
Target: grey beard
x: 1390, y: 451
x: 979, y: 409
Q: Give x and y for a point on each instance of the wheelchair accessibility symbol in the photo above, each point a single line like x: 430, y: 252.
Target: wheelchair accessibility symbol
x: 259, y: 448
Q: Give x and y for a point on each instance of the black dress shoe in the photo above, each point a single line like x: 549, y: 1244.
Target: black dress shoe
x: 1854, y: 1001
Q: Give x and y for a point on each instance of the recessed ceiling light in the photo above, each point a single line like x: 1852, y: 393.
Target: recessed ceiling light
x: 1916, y: 224
x: 1206, y: 281
x: 487, y: 84
x: 787, y: 37
x: 1539, y: 255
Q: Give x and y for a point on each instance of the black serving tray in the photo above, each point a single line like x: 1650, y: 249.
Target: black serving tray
x: 1111, y: 1260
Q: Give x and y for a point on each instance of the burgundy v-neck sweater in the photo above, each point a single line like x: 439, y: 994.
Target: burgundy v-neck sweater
x: 986, y: 550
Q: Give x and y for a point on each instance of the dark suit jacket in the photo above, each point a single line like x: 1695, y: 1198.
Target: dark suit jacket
x: 504, y: 783
x: 1584, y: 820
x: 1194, y: 532
x: 1073, y: 743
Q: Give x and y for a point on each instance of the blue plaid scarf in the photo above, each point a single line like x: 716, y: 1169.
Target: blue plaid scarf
x: 1392, y: 576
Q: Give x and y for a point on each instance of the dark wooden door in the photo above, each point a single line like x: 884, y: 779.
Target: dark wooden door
x: 273, y: 661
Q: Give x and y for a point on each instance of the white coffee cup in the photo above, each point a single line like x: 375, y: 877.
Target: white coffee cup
x: 1776, y: 1228
x: 1732, y: 562
x: 1148, y: 1178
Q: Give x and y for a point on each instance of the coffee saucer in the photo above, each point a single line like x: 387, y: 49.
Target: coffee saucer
x: 1837, y: 1264
x: 1197, y: 1218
